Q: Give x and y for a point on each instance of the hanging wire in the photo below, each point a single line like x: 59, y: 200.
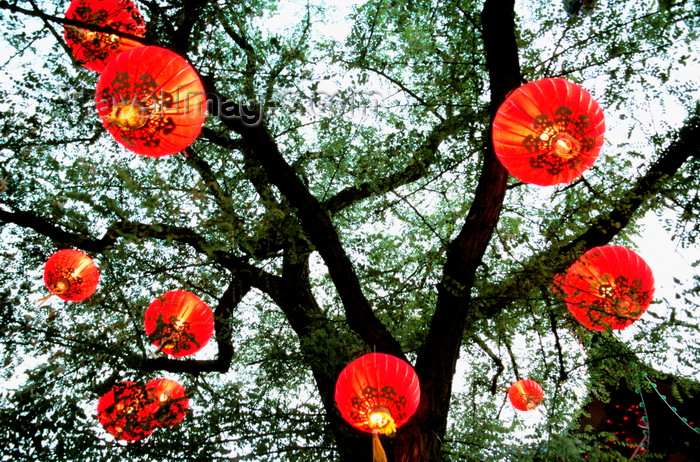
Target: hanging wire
x: 647, y: 433
x: 673, y: 409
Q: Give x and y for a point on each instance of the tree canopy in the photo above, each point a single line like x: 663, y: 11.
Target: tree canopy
x: 350, y: 201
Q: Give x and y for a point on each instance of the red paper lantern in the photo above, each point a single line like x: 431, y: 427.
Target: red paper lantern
x: 123, y: 412
x: 95, y: 49
x: 548, y: 132
x: 609, y: 287
x: 71, y: 275
x: 152, y: 101
x: 179, y: 323
x: 377, y: 392
x: 168, y: 402
x: 525, y: 394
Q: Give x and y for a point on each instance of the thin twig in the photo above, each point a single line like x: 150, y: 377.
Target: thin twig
x: 496, y: 359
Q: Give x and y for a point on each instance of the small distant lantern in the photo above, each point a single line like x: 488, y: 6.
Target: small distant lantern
x: 71, y: 275
x: 168, y: 402
x: 151, y: 101
x: 548, y: 132
x: 525, y: 394
x: 377, y: 393
x: 609, y: 287
x: 179, y: 323
x: 123, y: 412
x: 95, y: 49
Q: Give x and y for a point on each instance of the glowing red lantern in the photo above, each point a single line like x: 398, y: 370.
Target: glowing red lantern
x: 168, y: 402
x: 525, y: 394
x: 95, y: 49
x: 71, y: 275
x: 179, y: 323
x: 609, y: 287
x: 151, y: 101
x: 377, y: 393
x: 122, y: 412
x: 548, y: 132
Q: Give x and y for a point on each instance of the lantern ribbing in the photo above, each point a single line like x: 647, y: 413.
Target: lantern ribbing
x: 525, y: 394
x: 71, y: 275
x: 609, y: 287
x: 151, y: 101
x: 548, y: 132
x: 179, y: 323
x: 377, y: 393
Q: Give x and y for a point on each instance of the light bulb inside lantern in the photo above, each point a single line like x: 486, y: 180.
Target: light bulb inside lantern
x: 531, y: 402
x: 380, y: 419
x: 129, y: 117
x: 564, y: 146
x: 61, y: 286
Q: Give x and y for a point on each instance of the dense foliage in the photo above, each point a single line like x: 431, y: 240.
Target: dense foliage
x: 353, y: 203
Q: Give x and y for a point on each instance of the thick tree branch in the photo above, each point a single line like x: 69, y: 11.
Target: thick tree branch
x: 292, y: 293
x: 250, y: 54
x: 425, y: 156
x: 322, y: 233
x: 271, y: 240
x: 245, y: 276
x: 263, y: 246
x: 55, y: 233
x: 238, y: 39
x: 221, y: 140
x: 513, y: 362
x: 607, y: 225
x: 438, y: 356
x: 191, y: 14
x: 320, y: 341
x: 122, y: 228
x: 416, y: 169
x: 168, y: 232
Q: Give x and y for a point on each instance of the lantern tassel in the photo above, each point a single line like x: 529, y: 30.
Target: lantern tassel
x: 378, y: 454
x: 43, y: 300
